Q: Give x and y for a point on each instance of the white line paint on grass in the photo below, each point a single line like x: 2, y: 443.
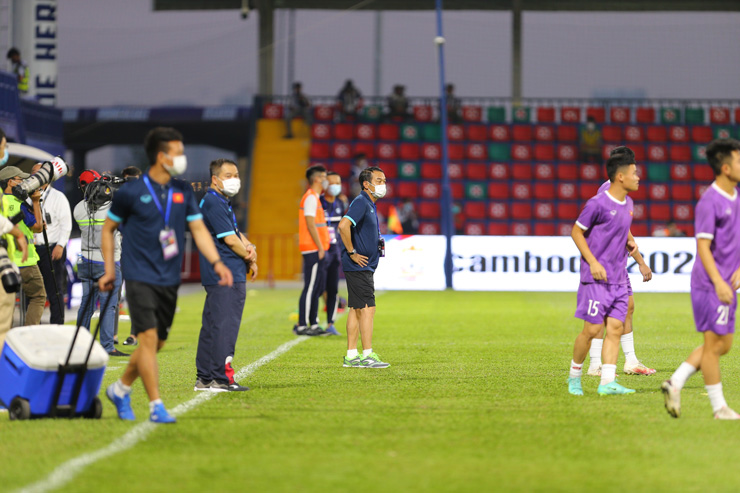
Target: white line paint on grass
x: 64, y: 473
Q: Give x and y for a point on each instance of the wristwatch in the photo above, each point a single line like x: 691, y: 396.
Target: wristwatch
x: 352, y: 252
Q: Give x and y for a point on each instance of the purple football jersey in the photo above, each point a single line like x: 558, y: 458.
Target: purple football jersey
x: 607, y: 223
x: 604, y: 187
x: 717, y: 218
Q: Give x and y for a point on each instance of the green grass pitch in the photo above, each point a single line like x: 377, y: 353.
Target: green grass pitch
x: 475, y: 400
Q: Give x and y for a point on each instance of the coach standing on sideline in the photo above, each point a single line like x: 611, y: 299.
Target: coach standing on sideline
x: 313, y: 241
x: 222, y: 311
x: 363, y: 245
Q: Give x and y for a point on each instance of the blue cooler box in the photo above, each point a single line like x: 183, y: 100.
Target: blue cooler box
x: 29, y: 366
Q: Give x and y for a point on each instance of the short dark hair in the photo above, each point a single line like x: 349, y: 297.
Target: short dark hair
x: 215, y: 166
x: 332, y: 173
x: 158, y: 139
x: 623, y: 150
x: 130, y: 171
x: 13, y: 52
x: 313, y: 170
x: 617, y: 161
x: 719, y: 151
x: 367, y: 175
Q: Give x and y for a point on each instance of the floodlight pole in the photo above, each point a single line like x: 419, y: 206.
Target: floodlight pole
x: 447, y: 222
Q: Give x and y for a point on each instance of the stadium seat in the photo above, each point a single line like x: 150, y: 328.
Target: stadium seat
x: 365, y: 131
x: 658, y: 172
x: 521, y: 171
x: 544, y: 133
x: 544, y: 229
x: 701, y: 134
x: 497, y: 229
x: 695, y: 116
x: 544, y: 191
x: 520, y: 229
x: 587, y: 190
x: 477, y: 171
x: 567, y: 191
x: 681, y: 191
x: 455, y: 152
x: 699, y: 153
x: 458, y: 190
x: 620, y: 114
x: 633, y: 133
x: 687, y: 228
x: 498, y: 190
x: 390, y: 191
x: 272, y: 111
x: 645, y: 115
x: 640, y: 171
x: 321, y: 131
x: 656, y: 133
x: 658, y: 153
x: 319, y: 150
x: 567, y: 153
x: 475, y: 228
x: 496, y: 114
x: 344, y: 169
x: 567, y: 133
x: 408, y: 151
x: 499, y: 133
x: 639, y: 212
x: 564, y: 228
x: 719, y: 115
x: 386, y: 150
x: 591, y: 172
x: 372, y: 113
x: 388, y: 131
x: 474, y: 210
x: 472, y: 114
x: 431, y: 171
x: 366, y: 148
x: 477, y: 133
x: 476, y: 152
x: 678, y: 133
x: 521, y: 114
x: 428, y: 228
x: 344, y: 131
x: 566, y: 171
x: 670, y: 115
x: 544, y: 210
x: 544, y: 152
x: 499, y: 152
x: 498, y: 171
x: 658, y: 192
x: 423, y: 113
x: 680, y: 172
x: 431, y: 133
x: 639, y: 229
x: 683, y: 211
x: 407, y: 190
x: 598, y: 113
x: 680, y: 153
x: 611, y: 133
x: 639, y: 194
x: 323, y: 113
x: 737, y: 116
x: 476, y: 190
x: 659, y: 212
x: 521, y: 190
x: 545, y: 114
x: 410, y: 132
x: 702, y: 172
x: 544, y: 171
x: 567, y: 210
x: 455, y: 171
x: 520, y: 152
x: 521, y: 133
x: 569, y: 114
x: 390, y: 168
x: 409, y: 170
x: 699, y: 189
x: 498, y: 210
x: 431, y: 152
x: 428, y: 210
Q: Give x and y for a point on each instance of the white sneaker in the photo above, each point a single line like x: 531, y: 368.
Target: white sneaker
x: 726, y: 413
x: 637, y: 369
x: 672, y: 398
x: 594, y: 371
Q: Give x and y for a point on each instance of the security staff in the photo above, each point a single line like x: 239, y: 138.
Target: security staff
x: 333, y: 210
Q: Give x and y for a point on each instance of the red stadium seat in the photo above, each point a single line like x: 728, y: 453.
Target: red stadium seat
x: 428, y: 228
x: 737, y: 116
x: 476, y: 152
x: 407, y: 190
x: 719, y: 115
x: 319, y: 150
x: 366, y: 148
x: 658, y: 153
x: 428, y: 210
x: 567, y: 210
x: 640, y: 171
x: 546, y: 115
x: 521, y: 152
x: 687, y: 228
x: 474, y: 210
x: 544, y: 229
x: 544, y: 210
x: 564, y: 229
x: 390, y: 168
x: 678, y: 133
x: 455, y: 133
x: 639, y: 229
x: 597, y: 113
x: 587, y: 190
x: 567, y: 153
x: 390, y: 191
x: 544, y: 171
x: 620, y: 114
x: 640, y: 194
x: 431, y: 152
x: 472, y: 114
x: 639, y: 212
x: 657, y: 133
x: 477, y: 133
x: 520, y: 190
x: 659, y: 212
x: 321, y: 131
x: 567, y: 171
x: 544, y: 152
x: 497, y: 229
x: 272, y: 111
x: 344, y: 131
x: 423, y: 113
x: 323, y: 113
x: 699, y: 189
x: 567, y: 133
x: 680, y: 153
x: 455, y: 152
x: 344, y: 169
x: 683, y: 211
x: 611, y: 133
x: 567, y: 191
x: 520, y: 229
x: 645, y: 115
x: 681, y: 191
x: 458, y: 190
x: 658, y: 192
x: 383, y: 207
x: 365, y: 131
x: 408, y: 151
x: 569, y: 114
x: 475, y: 228
x: 544, y: 133
x: 388, y: 131
x: 591, y: 172
x: 521, y: 171
x: 386, y: 150
x: 498, y: 190
x: 521, y: 133
x: 633, y: 133
x: 455, y: 171
x: 498, y: 171
x: 500, y: 133
x: 544, y: 191
x: 498, y: 210
x: 431, y: 171
x: 702, y: 172
x: 680, y: 172
x: 701, y: 134
x: 477, y: 171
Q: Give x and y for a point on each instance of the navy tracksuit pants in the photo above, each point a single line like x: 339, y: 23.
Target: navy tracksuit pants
x: 314, y: 273
x: 332, y: 261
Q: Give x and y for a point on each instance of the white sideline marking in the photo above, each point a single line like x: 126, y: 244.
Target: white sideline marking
x: 68, y: 470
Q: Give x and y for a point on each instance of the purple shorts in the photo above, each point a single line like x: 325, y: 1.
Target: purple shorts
x: 629, y: 287
x: 710, y: 314
x: 596, y: 301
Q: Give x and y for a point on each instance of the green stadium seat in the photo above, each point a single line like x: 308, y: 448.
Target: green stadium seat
x: 409, y: 132
x: 521, y: 114
x: 699, y: 153
x: 496, y: 114
x: 499, y: 152
x: 431, y: 133
x: 723, y: 132
x: 695, y: 116
x: 670, y: 115
x: 409, y: 170
x: 658, y: 172
x: 475, y: 190
x: 372, y: 113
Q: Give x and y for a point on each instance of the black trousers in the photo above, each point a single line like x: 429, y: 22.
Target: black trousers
x: 53, y: 283
x: 313, y: 285
x: 332, y: 261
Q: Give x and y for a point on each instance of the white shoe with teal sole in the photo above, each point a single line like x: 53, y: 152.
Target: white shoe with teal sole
x: 574, y: 386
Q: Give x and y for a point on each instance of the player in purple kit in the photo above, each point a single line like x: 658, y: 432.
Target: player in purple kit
x: 714, y: 279
x: 632, y: 365
x: 601, y: 234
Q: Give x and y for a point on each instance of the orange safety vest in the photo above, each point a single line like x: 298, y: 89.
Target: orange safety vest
x: 305, y: 242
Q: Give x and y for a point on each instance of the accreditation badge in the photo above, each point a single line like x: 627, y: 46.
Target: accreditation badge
x: 168, y: 241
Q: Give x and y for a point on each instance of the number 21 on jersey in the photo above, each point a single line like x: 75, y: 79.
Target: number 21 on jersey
x: 723, y: 314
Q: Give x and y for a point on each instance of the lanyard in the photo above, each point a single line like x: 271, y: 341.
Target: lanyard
x: 377, y: 221
x: 228, y: 204
x: 155, y: 198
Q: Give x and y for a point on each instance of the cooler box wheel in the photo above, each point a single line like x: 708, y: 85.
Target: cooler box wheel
x: 95, y: 411
x: 19, y: 409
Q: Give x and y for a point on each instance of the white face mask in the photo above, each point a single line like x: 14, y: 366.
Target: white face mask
x: 231, y: 186
x: 179, y: 165
x: 379, y: 192
x: 334, y: 190
x: 325, y: 185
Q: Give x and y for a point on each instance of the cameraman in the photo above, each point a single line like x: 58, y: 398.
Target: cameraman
x: 90, y: 214
x: 32, y: 282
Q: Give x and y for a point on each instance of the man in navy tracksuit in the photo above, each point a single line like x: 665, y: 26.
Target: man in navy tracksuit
x: 334, y: 211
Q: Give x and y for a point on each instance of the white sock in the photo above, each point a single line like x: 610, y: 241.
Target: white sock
x: 608, y: 374
x: 351, y: 353
x: 628, y: 348
x: 716, y: 397
x: 121, y: 390
x: 679, y: 377
x: 595, y: 353
x: 576, y: 369
x: 154, y: 403
x: 367, y: 352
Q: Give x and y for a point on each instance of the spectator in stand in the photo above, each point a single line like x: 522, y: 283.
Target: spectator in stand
x: 454, y: 107
x: 349, y: 101
x: 298, y: 106
x: 398, y: 104
x: 408, y: 218
x: 670, y: 230
x: 590, y: 142
x: 20, y: 69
